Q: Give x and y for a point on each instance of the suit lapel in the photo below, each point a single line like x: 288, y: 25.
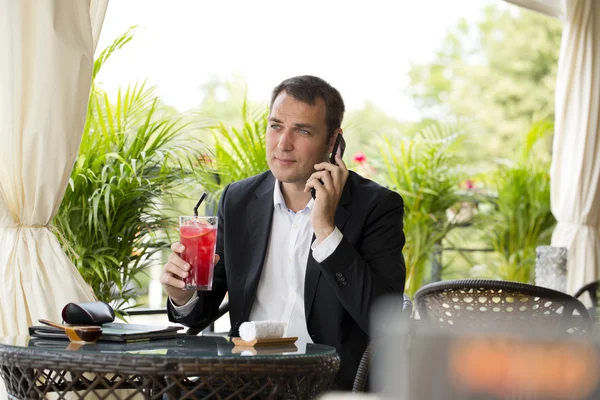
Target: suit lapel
x: 313, y: 269
x: 260, y: 216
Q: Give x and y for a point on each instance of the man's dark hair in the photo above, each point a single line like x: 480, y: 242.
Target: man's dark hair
x: 307, y: 88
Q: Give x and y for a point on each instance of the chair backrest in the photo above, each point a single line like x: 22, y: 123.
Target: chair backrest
x: 593, y: 289
x: 481, y: 303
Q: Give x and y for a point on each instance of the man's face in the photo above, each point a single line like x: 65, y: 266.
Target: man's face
x: 297, y: 138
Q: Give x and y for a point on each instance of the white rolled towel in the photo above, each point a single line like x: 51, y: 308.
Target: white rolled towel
x: 261, y: 330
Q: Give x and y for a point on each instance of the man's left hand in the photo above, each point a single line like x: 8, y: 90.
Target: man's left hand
x: 328, y: 182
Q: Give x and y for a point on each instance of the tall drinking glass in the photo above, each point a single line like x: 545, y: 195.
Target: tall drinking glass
x: 199, y: 236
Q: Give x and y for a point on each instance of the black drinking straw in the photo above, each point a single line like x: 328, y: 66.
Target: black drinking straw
x: 198, y: 204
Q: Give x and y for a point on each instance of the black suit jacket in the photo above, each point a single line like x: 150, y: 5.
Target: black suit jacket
x: 339, y: 292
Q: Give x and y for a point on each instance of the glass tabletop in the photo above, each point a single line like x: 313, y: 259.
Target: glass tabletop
x: 193, y: 347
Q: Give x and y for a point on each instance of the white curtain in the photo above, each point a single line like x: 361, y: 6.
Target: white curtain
x: 575, y: 170
x: 46, y: 61
x: 553, y: 8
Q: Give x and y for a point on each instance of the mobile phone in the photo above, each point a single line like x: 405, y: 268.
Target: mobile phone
x: 340, y: 144
x: 338, y: 147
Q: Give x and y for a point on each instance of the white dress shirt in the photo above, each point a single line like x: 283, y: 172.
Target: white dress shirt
x: 280, y: 293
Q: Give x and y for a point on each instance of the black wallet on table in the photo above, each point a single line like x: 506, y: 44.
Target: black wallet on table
x: 96, y: 313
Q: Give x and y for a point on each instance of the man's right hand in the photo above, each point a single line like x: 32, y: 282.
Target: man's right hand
x: 174, y: 271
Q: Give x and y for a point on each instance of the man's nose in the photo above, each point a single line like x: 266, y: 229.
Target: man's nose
x: 285, y: 141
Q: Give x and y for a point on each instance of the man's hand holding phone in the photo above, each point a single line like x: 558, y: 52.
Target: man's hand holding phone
x: 328, y: 182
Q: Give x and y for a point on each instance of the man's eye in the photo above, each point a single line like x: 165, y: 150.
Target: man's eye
x: 275, y: 126
x: 304, y: 132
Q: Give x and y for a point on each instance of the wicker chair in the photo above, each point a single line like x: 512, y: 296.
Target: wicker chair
x: 362, y: 375
x: 483, y: 303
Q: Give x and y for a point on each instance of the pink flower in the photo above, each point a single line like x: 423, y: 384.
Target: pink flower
x: 205, y: 159
x: 360, y: 157
x: 469, y: 184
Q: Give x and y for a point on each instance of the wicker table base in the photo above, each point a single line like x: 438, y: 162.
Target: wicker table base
x: 33, y: 373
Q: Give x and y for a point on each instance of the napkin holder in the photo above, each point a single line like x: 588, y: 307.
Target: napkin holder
x: 265, y: 342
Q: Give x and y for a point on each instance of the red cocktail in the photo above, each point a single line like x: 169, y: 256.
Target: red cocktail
x: 199, y: 236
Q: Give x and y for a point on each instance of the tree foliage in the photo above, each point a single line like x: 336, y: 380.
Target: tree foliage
x: 499, y: 72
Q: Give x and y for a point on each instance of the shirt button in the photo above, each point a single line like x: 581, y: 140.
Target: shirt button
x: 295, y: 226
x: 339, y: 274
x: 289, y: 260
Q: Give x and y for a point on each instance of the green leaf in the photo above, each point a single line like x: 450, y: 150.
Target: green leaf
x: 131, y: 157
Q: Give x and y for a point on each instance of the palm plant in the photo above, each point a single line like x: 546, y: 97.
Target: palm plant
x: 129, y: 158
x: 423, y: 170
x: 238, y: 153
x: 521, y: 219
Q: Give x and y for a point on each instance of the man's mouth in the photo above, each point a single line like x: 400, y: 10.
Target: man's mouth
x: 285, y: 161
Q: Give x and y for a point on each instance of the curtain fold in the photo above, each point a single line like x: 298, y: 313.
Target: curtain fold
x: 46, y: 62
x: 97, y: 13
x: 575, y: 170
x: 553, y: 8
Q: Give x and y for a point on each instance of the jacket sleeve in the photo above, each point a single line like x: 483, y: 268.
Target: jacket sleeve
x: 373, y: 267
x: 208, y: 304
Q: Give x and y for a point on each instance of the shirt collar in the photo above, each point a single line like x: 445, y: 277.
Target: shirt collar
x: 279, y: 202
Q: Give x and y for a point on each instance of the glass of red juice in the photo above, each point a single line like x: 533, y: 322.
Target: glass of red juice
x: 199, y: 236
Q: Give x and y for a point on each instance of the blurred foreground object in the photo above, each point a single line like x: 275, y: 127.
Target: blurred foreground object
x: 503, y: 360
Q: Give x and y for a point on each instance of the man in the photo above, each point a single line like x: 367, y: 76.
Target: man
x: 316, y: 264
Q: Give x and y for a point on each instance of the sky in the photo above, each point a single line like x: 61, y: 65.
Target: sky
x: 363, y: 48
